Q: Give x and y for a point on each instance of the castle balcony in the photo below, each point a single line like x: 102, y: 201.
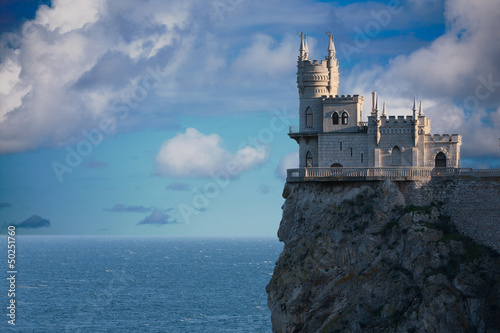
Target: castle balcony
x: 295, y: 133
x: 394, y: 174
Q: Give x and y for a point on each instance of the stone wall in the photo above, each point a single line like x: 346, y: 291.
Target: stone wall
x: 473, y: 204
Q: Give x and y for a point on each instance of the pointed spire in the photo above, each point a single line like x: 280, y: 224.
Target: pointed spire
x: 302, y: 47
x: 420, y: 113
x: 414, y: 107
x: 306, y: 49
x: 384, y: 114
x: 374, y: 97
x: 331, y: 46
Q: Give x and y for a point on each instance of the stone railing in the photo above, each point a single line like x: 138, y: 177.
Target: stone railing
x: 395, y: 173
x: 296, y: 130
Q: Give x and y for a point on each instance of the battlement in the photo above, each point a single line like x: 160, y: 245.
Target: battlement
x: 392, y: 120
x: 335, y: 99
x: 444, y: 137
x: 314, y: 64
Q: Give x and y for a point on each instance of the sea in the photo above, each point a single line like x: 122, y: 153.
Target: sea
x: 139, y: 284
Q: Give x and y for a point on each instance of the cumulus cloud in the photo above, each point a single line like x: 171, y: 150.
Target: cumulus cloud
x: 34, y: 222
x: 129, y: 208
x: 289, y: 161
x: 72, y: 65
x: 457, y: 75
x: 158, y: 217
x: 194, y: 154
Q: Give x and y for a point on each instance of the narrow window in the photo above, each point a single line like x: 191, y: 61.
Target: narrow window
x: 309, y: 118
x: 351, y: 151
x: 309, y: 160
x: 335, y: 118
x: 340, y: 145
x: 345, y: 118
x: 361, y: 157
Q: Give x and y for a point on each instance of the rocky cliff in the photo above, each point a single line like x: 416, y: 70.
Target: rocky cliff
x: 385, y: 257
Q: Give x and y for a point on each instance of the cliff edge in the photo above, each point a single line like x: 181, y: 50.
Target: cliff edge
x: 388, y: 257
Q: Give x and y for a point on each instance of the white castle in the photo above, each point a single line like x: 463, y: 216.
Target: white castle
x: 332, y: 133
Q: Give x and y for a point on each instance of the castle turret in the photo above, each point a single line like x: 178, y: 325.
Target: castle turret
x: 314, y: 80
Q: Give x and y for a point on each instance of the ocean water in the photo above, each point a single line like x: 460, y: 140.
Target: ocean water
x: 134, y: 284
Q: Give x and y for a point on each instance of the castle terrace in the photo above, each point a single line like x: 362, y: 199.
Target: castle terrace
x: 394, y: 174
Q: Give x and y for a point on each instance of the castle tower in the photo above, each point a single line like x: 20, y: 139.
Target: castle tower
x: 315, y: 79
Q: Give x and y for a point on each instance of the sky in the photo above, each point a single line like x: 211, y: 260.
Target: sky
x: 170, y: 118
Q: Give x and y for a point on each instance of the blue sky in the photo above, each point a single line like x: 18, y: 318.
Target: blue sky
x: 171, y: 117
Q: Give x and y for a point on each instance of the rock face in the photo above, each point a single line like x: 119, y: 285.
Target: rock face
x: 362, y: 257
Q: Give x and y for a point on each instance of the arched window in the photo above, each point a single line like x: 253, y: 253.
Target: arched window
x: 335, y: 118
x: 309, y: 160
x: 440, y: 160
x: 336, y: 165
x: 340, y: 145
x: 309, y: 118
x: 396, y: 156
x: 345, y: 118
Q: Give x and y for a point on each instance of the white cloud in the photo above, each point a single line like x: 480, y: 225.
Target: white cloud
x: 289, y: 161
x: 69, y: 15
x: 194, y: 154
x: 265, y: 57
x: 61, y: 73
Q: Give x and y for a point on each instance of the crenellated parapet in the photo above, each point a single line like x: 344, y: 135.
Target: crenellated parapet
x: 337, y: 98
x: 445, y: 138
